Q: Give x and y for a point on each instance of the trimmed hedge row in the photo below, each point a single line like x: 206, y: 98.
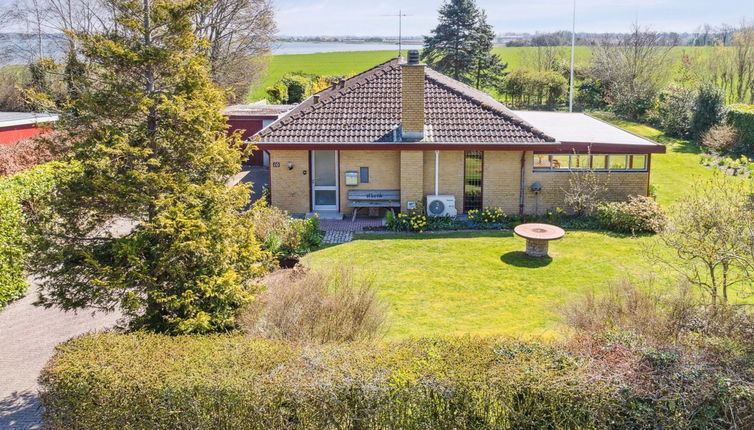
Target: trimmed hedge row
x: 17, y: 192
x: 147, y: 381
x: 742, y: 118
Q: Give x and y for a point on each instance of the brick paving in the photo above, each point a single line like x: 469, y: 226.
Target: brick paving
x: 28, y: 335
x: 341, y: 231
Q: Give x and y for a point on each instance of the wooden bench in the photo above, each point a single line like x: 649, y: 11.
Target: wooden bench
x: 388, y: 199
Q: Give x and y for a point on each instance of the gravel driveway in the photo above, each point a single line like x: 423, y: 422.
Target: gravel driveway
x: 28, y: 335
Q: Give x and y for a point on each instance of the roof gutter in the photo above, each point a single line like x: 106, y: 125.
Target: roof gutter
x: 27, y: 121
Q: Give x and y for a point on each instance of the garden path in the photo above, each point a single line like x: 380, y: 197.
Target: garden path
x: 28, y: 336
x: 341, y: 231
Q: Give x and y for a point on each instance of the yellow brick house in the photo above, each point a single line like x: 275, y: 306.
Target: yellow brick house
x: 401, y: 134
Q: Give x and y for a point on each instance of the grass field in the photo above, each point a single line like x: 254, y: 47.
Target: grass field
x: 481, y: 283
x: 347, y: 63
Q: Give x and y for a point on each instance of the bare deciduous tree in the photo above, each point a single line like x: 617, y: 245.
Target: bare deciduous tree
x: 240, y: 33
x: 731, y: 65
x: 633, y: 67
x: 711, y: 235
x: 586, y: 188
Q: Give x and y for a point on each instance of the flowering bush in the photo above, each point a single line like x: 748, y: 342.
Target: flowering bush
x: 487, y: 216
x: 408, y: 222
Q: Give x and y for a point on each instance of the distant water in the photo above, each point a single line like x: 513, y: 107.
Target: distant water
x: 15, y: 49
x: 288, y: 48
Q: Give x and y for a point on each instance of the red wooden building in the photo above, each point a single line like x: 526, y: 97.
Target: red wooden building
x: 250, y: 119
x: 16, y: 126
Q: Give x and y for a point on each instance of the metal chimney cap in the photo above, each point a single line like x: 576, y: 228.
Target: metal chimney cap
x: 413, y: 56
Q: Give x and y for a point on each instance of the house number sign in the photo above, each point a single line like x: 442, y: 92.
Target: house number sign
x: 276, y: 164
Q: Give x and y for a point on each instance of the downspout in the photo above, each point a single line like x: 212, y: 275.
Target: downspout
x: 521, y: 190
x: 437, y: 173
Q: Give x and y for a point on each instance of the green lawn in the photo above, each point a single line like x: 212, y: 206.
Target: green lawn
x: 481, y: 283
x: 673, y: 172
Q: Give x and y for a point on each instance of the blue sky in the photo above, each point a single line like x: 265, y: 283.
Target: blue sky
x: 362, y: 17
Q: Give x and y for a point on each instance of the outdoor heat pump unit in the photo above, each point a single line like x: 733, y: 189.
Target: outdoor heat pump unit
x: 441, y: 205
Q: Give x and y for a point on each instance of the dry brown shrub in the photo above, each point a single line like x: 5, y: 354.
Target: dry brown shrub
x: 309, y: 306
x: 721, y: 138
x: 631, y: 306
x: 25, y: 154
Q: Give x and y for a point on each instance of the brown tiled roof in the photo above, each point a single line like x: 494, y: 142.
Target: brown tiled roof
x: 367, y: 108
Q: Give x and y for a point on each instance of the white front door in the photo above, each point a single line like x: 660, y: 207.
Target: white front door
x: 324, y: 180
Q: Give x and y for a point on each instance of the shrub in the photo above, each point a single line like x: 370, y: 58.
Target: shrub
x: 299, y: 87
x: 709, y: 109
x: 585, y: 191
x: 317, y: 307
x: 413, y: 221
x: 741, y: 117
x: 277, y: 93
x: 591, y: 93
x: 720, y: 138
x: 148, y: 381
x: 629, y: 306
x: 18, y: 194
x: 640, y: 214
x: 282, y: 235
x: 675, y: 107
x: 487, y: 217
x: 19, y: 156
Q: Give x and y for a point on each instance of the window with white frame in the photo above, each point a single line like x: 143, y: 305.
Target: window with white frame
x: 600, y: 162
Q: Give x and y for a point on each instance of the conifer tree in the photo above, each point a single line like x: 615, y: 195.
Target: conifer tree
x: 461, y: 45
x: 148, y: 224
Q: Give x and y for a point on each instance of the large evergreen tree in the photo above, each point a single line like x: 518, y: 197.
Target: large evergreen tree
x: 461, y: 45
x: 148, y: 225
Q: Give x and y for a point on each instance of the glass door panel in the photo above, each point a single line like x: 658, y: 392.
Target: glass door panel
x: 325, y: 180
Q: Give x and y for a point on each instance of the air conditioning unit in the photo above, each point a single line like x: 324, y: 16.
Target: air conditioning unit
x: 441, y: 205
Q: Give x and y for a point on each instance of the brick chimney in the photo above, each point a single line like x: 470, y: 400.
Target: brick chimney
x: 412, y: 98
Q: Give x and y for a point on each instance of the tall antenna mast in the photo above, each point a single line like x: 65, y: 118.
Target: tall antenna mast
x: 400, y: 16
x: 573, y: 57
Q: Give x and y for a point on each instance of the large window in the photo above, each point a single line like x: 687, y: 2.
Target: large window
x: 603, y: 162
x: 472, y: 180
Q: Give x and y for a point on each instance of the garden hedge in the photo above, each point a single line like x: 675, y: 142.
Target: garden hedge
x: 742, y: 118
x: 148, y: 381
x: 16, y: 192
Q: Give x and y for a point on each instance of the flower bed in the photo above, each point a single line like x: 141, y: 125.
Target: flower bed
x: 741, y: 166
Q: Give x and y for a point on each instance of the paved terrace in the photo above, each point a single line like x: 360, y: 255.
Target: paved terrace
x: 341, y: 231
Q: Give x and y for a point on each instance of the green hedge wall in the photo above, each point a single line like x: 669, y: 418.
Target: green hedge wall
x: 16, y: 192
x: 147, y: 381
x: 742, y: 118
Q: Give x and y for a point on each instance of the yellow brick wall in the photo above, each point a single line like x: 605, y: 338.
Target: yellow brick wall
x: 451, y: 175
x: 412, y: 110
x: 620, y: 186
x: 290, y: 188
x: 384, y: 172
x: 501, y: 180
x: 412, y: 177
x: 413, y: 172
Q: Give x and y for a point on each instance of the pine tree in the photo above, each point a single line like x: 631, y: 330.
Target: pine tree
x: 149, y: 142
x: 461, y: 45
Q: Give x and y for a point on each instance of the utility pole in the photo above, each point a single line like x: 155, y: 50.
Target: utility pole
x: 573, y: 57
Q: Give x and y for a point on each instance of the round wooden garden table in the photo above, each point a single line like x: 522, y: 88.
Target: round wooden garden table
x: 538, y: 237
